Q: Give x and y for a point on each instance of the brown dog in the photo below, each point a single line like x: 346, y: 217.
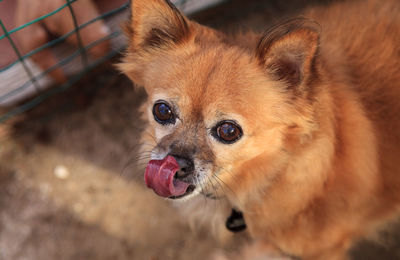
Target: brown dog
x: 298, y: 128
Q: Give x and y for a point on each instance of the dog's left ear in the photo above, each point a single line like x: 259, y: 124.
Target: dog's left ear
x: 287, y: 52
x: 156, y: 24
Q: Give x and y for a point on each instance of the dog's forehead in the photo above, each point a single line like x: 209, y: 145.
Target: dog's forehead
x: 214, y: 78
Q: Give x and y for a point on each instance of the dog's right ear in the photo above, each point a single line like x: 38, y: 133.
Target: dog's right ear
x: 156, y: 24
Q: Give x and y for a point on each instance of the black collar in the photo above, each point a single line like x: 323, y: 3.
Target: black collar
x: 235, y: 222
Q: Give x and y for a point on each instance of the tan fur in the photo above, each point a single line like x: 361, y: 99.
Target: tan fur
x: 317, y: 167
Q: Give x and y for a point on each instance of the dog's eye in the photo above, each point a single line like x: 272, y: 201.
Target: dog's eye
x: 163, y: 114
x: 227, y: 132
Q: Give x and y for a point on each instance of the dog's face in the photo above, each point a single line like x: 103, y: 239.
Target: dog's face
x: 230, y: 116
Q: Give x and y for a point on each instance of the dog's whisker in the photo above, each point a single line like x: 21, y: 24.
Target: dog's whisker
x: 217, y: 201
x: 135, y: 162
x: 232, y: 174
x: 150, y: 134
x: 138, y: 158
x: 226, y: 185
x: 221, y: 185
x: 201, y: 190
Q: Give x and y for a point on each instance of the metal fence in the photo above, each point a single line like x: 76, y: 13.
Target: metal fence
x: 23, y: 85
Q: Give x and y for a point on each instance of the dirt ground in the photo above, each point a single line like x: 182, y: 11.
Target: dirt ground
x: 70, y: 187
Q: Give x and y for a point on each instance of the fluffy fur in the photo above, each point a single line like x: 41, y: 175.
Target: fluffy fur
x: 317, y: 167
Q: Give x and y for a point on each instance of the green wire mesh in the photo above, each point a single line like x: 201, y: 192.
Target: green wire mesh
x: 41, y: 95
x: 37, y: 19
x: 80, y: 52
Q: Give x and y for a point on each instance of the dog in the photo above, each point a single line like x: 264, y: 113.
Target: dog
x: 297, y: 128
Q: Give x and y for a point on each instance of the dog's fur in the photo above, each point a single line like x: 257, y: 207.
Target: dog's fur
x: 317, y: 166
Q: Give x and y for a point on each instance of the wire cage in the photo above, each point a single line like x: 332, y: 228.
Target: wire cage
x: 24, y: 83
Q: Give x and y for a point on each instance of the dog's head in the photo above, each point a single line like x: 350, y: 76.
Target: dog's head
x: 225, y: 117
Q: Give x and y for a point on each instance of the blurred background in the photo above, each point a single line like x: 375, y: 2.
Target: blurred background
x: 70, y: 185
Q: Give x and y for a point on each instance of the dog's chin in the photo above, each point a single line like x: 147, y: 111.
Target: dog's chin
x: 191, y: 192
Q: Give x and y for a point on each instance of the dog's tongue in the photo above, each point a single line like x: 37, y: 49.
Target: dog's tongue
x: 160, y: 174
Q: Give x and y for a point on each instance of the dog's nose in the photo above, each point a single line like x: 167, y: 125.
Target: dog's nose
x: 186, y: 166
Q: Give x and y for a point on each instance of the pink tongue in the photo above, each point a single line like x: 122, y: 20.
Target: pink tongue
x: 160, y: 174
